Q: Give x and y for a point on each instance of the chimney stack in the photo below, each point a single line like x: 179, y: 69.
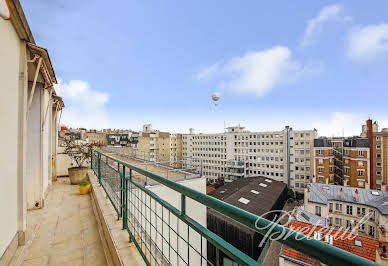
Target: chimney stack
x: 306, y: 194
x: 341, y: 194
x: 357, y: 196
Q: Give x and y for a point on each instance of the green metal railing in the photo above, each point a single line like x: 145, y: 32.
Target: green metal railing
x: 165, y: 234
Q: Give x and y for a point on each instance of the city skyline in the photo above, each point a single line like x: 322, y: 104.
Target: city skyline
x: 312, y: 65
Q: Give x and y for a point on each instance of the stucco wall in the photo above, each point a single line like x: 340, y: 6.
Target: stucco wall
x: 9, y: 84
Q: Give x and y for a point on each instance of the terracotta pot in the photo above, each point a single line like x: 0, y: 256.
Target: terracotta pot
x: 84, y: 189
x: 77, y: 174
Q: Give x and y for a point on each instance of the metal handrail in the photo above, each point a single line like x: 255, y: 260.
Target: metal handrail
x: 319, y: 250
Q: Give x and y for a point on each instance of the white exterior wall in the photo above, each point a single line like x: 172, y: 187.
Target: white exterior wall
x: 34, y: 149
x: 264, y: 152
x: 302, y: 158
x: 46, y: 161
x: 9, y: 120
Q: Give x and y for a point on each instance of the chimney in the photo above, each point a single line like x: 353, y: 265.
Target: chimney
x: 296, y: 212
x: 306, y: 194
x: 357, y: 196
x: 341, y: 194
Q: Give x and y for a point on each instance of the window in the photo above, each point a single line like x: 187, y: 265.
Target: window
x: 371, y: 215
x: 320, y: 161
x: 346, y: 170
x: 360, y: 211
x: 320, y: 152
x: 360, y: 172
x: 378, y: 147
x: 348, y: 224
x: 338, y: 207
x: 320, y: 169
x: 378, y: 138
x: 360, y: 163
x: 378, y: 164
x: 329, y: 239
x: 330, y: 207
x: 361, y: 227
x: 360, y: 153
x: 378, y: 155
x: 318, y: 210
x: 349, y: 209
x: 357, y: 243
x: 371, y: 230
x: 378, y: 173
x: 338, y: 221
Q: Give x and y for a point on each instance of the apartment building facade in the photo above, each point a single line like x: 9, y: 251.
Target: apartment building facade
x: 28, y: 115
x: 378, y: 148
x: 284, y: 155
x: 346, y: 207
x: 97, y: 138
x: 342, y: 161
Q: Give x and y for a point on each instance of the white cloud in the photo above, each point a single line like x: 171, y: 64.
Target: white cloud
x: 327, y: 14
x: 367, y: 42
x: 206, y: 72
x: 258, y: 72
x: 84, y: 107
x: 340, y: 123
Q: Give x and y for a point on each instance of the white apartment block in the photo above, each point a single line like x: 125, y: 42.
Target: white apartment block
x: 238, y: 153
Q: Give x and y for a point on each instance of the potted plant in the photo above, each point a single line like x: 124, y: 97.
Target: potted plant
x: 79, y: 153
x: 84, y: 186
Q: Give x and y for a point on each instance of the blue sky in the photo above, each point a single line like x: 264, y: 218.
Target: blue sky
x: 308, y: 64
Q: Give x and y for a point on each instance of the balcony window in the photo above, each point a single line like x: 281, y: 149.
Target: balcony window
x: 371, y: 231
x: 349, y: 209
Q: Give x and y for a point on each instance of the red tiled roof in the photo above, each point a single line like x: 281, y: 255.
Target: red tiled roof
x: 292, y: 253
x: 340, y: 240
x: 209, y: 189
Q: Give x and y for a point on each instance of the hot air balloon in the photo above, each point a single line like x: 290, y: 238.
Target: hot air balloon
x: 215, y: 97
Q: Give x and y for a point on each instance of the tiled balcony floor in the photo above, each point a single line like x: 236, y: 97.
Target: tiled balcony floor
x: 64, y: 232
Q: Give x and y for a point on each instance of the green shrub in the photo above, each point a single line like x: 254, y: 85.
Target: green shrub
x: 84, y: 183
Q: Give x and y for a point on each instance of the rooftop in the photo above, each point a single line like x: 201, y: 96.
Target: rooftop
x: 356, y: 244
x: 257, y: 195
x: 300, y: 214
x: 322, y: 193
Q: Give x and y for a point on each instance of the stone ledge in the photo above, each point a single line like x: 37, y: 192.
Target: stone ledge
x: 115, y: 240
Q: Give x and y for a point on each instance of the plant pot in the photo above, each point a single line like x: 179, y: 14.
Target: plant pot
x: 84, y: 189
x: 77, y: 174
